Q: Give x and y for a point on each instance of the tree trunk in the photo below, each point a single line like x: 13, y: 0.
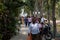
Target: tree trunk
x: 41, y: 6
x: 48, y: 12
x: 53, y: 18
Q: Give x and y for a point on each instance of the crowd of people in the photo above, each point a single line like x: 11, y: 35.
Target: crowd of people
x: 28, y: 19
x: 37, y: 27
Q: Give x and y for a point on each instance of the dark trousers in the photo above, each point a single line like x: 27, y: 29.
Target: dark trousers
x: 29, y: 23
x: 35, y: 36
x: 26, y: 23
x: 40, y: 36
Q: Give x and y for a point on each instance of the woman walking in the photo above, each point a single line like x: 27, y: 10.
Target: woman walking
x: 34, y: 29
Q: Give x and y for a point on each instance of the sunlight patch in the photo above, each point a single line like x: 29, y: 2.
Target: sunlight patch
x: 24, y: 33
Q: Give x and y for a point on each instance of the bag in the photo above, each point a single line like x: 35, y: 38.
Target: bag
x: 29, y: 37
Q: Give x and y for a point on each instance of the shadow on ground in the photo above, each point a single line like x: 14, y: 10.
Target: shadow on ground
x: 22, y: 35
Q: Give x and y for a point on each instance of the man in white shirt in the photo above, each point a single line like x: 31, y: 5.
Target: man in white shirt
x: 34, y: 29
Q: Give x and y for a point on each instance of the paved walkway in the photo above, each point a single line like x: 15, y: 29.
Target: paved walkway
x: 22, y: 34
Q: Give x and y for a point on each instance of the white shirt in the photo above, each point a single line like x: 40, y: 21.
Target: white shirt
x: 42, y: 19
x: 34, y: 28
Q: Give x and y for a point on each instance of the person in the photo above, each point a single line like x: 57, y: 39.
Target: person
x: 34, y: 29
x: 40, y: 28
x: 46, y: 26
x: 26, y: 21
x: 37, y: 20
x: 42, y: 19
x: 29, y: 20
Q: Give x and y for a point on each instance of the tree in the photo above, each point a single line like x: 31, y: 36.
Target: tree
x: 53, y: 17
x: 8, y: 15
x: 48, y: 10
x: 30, y: 5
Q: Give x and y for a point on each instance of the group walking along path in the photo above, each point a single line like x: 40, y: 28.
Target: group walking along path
x: 22, y: 35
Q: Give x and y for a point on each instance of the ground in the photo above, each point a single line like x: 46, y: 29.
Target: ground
x: 22, y: 35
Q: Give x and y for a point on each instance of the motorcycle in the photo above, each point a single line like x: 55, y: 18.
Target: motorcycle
x: 47, y: 32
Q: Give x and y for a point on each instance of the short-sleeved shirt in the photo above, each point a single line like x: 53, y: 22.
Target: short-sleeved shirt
x: 34, y: 28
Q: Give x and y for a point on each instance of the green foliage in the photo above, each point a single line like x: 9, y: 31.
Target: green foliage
x: 58, y: 10
x: 30, y: 4
x: 8, y: 18
x: 9, y: 13
x: 0, y: 36
x: 45, y: 7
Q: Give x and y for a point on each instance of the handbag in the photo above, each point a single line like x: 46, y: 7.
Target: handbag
x: 29, y: 37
